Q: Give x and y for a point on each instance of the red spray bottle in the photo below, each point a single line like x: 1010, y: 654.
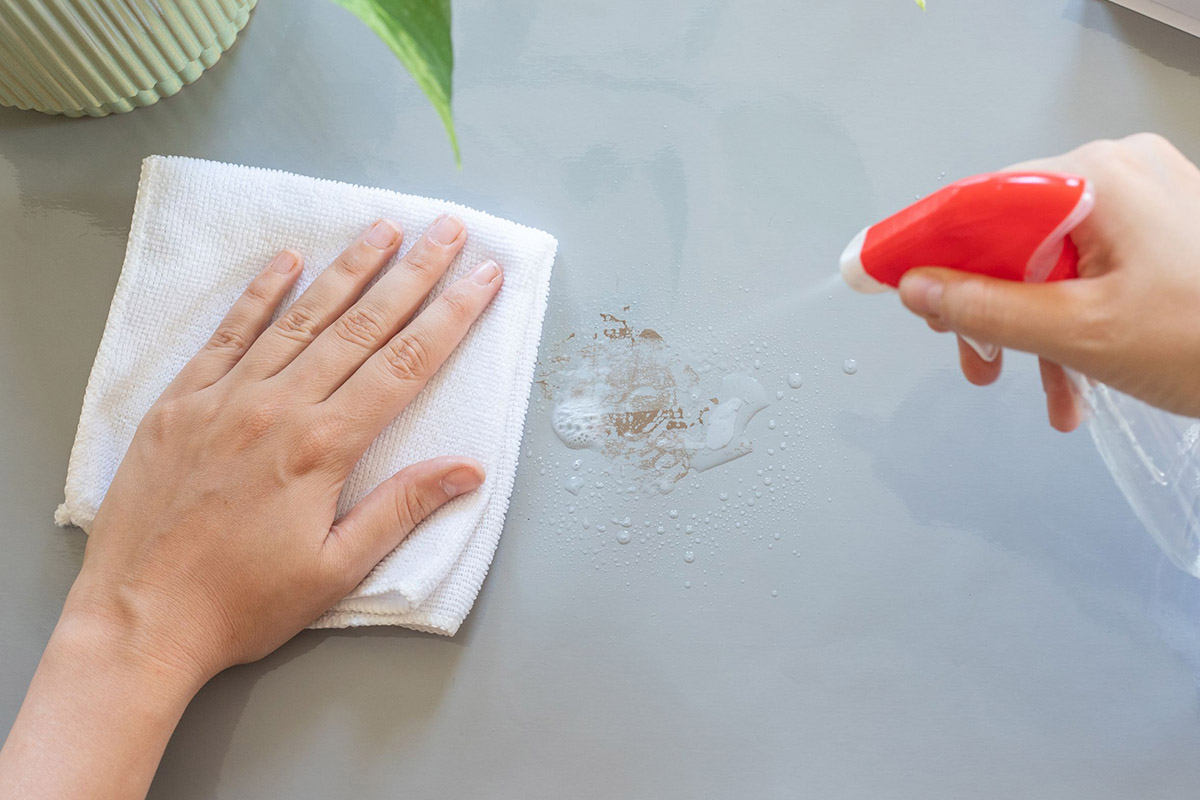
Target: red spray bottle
x: 1016, y: 226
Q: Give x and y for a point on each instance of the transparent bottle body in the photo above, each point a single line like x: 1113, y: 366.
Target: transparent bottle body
x: 1154, y: 456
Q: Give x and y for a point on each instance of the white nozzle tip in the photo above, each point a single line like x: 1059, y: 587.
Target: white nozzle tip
x: 853, y: 273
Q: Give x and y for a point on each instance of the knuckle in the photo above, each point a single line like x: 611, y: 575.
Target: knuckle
x: 228, y: 339
x: 412, y: 506
x: 426, y: 259
x: 1097, y: 149
x: 258, y: 292
x: 298, y: 323
x: 1097, y: 157
x: 256, y: 420
x: 315, y: 446
x: 407, y: 357
x: 968, y: 305
x: 458, y: 305
x: 1094, y: 327
x: 1147, y: 140
x: 361, y: 325
x: 163, y: 420
x: 357, y: 261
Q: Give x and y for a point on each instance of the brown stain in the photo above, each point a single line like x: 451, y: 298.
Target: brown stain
x: 620, y: 329
x: 638, y: 370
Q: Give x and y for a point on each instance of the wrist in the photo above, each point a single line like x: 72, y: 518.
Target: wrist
x: 99, y: 712
x: 115, y: 641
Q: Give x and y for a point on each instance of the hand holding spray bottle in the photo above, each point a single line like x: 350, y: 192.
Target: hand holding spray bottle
x: 1016, y: 226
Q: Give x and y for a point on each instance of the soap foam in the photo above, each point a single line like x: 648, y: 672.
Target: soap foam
x: 579, y: 422
x: 630, y: 396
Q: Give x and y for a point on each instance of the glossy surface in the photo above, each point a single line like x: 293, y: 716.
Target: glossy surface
x: 959, y: 603
x: 97, y: 57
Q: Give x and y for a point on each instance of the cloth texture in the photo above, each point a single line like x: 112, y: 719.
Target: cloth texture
x: 201, y: 230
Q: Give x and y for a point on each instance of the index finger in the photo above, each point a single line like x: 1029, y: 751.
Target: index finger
x: 388, y: 381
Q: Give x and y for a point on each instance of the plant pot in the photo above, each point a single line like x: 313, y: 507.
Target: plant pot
x: 98, y: 57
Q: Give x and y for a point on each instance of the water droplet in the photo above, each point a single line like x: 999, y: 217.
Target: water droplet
x: 624, y: 537
x: 724, y: 495
x: 687, y: 584
x: 850, y: 366
x: 689, y: 529
x: 662, y: 529
x: 767, y: 481
x: 774, y: 593
x: 771, y: 424
x: 673, y: 513
x: 795, y: 380
x: 601, y: 528
x: 573, y: 484
x: 757, y: 364
x: 625, y: 523
x: 689, y: 556
x: 779, y: 394
x: 578, y: 463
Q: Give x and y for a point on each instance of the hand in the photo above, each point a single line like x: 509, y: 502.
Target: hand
x: 217, y: 542
x: 1130, y: 320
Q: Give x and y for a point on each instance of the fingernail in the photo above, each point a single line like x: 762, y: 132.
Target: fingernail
x: 986, y: 350
x: 923, y: 295
x: 460, y: 481
x: 445, y: 229
x: 382, y: 234
x: 485, y: 273
x: 285, y: 262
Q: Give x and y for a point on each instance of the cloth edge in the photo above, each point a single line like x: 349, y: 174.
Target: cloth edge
x: 67, y: 514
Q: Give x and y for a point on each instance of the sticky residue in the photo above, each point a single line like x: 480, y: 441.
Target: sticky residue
x: 629, y: 395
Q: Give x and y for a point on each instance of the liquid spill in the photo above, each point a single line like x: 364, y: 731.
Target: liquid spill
x: 629, y: 395
x: 621, y: 391
x: 636, y: 417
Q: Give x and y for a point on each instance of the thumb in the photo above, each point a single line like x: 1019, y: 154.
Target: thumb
x: 381, y: 520
x: 1040, y: 318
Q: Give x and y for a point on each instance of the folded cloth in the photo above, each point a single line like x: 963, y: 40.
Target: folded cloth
x: 200, y: 231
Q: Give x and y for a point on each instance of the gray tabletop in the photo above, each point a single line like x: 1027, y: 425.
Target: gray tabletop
x: 933, y: 596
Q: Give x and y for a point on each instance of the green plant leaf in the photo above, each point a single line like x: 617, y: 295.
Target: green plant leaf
x: 418, y: 32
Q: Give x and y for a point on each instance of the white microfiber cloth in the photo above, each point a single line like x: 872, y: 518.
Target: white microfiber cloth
x: 200, y: 231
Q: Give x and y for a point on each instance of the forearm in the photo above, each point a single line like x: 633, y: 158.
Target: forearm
x: 96, y: 719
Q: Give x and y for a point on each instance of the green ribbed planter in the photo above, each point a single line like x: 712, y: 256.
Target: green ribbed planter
x: 98, y: 57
